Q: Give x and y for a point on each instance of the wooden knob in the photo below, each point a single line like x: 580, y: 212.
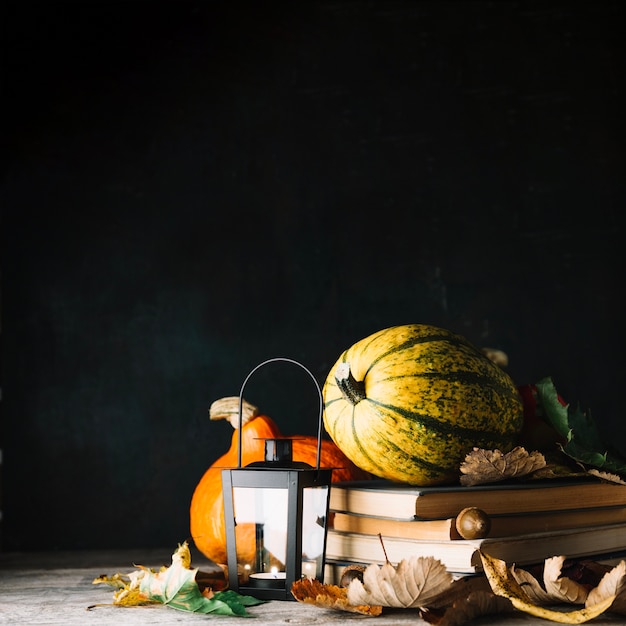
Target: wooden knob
x: 473, y: 523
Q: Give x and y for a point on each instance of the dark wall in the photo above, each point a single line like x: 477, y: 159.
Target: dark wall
x: 192, y: 188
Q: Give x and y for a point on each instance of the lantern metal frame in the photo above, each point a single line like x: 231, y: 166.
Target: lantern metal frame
x: 284, y: 474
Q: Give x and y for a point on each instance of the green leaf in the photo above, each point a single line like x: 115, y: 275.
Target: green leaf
x: 232, y: 596
x: 176, y: 587
x: 584, y: 441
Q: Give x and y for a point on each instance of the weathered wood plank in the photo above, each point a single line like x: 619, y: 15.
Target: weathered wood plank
x: 56, y: 589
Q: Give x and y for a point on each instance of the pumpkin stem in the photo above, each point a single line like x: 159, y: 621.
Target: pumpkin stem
x: 497, y: 356
x: 228, y: 409
x: 352, y: 390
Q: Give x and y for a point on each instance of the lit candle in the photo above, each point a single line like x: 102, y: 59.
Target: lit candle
x: 268, y: 580
x: 309, y: 569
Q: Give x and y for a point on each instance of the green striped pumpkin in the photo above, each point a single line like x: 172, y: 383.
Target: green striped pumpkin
x: 409, y: 402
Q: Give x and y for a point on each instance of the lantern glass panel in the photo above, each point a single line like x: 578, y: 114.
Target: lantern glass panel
x: 260, y: 522
x: 314, y: 508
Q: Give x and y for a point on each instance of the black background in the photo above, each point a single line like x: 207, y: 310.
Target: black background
x: 190, y: 188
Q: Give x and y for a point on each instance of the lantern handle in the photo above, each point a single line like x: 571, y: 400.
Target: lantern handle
x: 319, y: 391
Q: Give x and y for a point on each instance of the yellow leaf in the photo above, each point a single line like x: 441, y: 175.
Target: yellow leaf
x: 131, y: 597
x: 127, y: 592
x: 118, y: 581
x: 182, y: 555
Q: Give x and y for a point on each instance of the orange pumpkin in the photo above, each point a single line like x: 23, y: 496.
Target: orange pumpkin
x: 206, y: 511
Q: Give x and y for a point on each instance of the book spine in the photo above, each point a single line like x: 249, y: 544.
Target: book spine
x: 456, y: 556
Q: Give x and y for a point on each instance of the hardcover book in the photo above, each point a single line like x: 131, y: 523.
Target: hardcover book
x: 379, y: 497
x: 501, y: 525
x: 462, y: 556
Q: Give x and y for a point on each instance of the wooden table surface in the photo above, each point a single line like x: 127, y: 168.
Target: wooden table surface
x: 56, y: 588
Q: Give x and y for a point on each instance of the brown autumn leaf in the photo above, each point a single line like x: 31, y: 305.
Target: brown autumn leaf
x: 505, y: 584
x: 476, y: 604
x: 414, y: 582
x: 612, y: 478
x: 490, y: 466
x: 311, y: 591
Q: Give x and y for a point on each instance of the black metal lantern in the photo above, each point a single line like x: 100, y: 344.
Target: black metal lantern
x: 276, y: 513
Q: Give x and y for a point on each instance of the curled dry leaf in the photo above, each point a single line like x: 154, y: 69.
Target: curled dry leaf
x: 612, y: 584
x: 531, y: 586
x: 504, y: 583
x: 311, y: 591
x: 413, y: 583
x: 556, y: 587
x: 490, y: 466
x: 612, y: 478
x: 560, y: 588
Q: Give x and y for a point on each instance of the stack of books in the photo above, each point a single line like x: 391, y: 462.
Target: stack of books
x: 530, y: 522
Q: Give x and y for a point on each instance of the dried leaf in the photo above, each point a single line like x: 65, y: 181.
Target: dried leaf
x: 132, y: 597
x: 578, y: 582
x: 117, y: 581
x: 127, y: 592
x: 556, y: 588
x: 613, y: 584
x: 311, y: 591
x: 612, y: 581
x: 476, y: 604
x: 531, y: 586
x: 612, y: 478
x: 503, y: 583
x: 560, y: 588
x: 490, y: 466
x: 554, y: 470
x: 413, y: 583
